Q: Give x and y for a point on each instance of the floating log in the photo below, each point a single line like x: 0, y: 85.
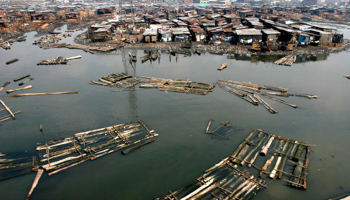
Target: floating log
x: 223, y: 66
x: 5, y: 119
x: 35, y: 183
x: 266, y: 165
x: 298, y: 153
x: 306, y: 165
x: 25, y: 81
x: 67, y: 167
x: 266, y: 147
x: 252, y: 151
x: 23, y: 77
x: 282, y: 101
x: 23, y: 88
x: 74, y: 57
x: 243, y: 143
x: 8, y: 109
x: 293, y: 149
x: 274, y: 171
x: 241, y: 153
x: 6, y: 84
x: 127, y: 151
x: 52, y: 165
x: 12, y: 61
x: 294, y: 181
x: 266, y: 105
x: 208, y: 182
x: 209, y: 123
x: 281, y: 168
x: 37, y: 94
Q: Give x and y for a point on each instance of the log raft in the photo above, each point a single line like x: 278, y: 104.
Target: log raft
x: 287, y: 60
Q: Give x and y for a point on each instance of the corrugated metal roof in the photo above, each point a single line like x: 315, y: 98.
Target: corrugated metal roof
x: 270, y: 31
x: 150, y: 32
x: 249, y: 31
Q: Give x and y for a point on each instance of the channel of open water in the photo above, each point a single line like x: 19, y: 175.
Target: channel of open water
x: 182, y: 151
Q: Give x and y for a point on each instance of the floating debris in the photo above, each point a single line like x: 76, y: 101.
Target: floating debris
x: 37, y: 94
x: 59, y: 60
x: 287, y: 60
x: 178, y: 86
x: 12, y: 61
x: 347, y: 76
x: 117, y: 79
x: 262, y: 143
x: 222, y: 181
x: 22, y: 88
x: 223, y: 66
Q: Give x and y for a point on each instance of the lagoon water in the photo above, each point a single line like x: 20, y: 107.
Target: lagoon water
x: 182, y: 151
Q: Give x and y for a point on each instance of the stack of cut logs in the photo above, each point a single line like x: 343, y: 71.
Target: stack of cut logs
x: 287, y: 60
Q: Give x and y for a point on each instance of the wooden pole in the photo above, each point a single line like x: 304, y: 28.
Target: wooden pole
x: 6, y: 116
x: 23, y: 77
x: 25, y: 81
x: 36, y: 94
x: 8, y: 109
x: 23, y: 88
x: 35, y: 183
x: 6, y: 84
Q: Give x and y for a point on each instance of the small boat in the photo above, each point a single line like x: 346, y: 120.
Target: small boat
x: 223, y: 66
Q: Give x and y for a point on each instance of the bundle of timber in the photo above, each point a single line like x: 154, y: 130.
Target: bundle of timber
x: 117, y: 79
x: 16, y: 164
x: 222, y: 130
x: 250, y: 91
x: 287, y: 60
x: 178, y: 86
x: 59, y: 60
x: 223, y: 181
x: 62, y: 154
x: 269, y: 147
